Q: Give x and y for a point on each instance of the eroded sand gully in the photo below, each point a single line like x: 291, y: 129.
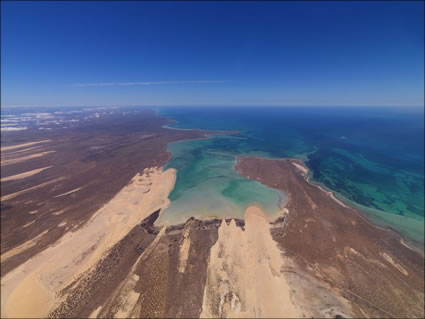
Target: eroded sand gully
x: 29, y: 290
x: 244, y: 274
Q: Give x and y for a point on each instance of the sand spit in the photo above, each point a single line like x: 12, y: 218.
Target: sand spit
x: 237, y: 258
x: 24, y: 175
x: 23, y: 158
x: 12, y: 147
x: 24, y: 290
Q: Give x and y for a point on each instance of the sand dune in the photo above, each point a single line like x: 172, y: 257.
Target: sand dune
x: 12, y: 147
x: 244, y: 277
x: 67, y: 193
x: 23, y: 158
x: 24, y: 175
x: 38, y: 147
x: 24, y: 289
x: 13, y: 195
x: 21, y: 248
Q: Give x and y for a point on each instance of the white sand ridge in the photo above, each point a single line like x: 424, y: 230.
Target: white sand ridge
x: 29, y: 290
x: 244, y: 277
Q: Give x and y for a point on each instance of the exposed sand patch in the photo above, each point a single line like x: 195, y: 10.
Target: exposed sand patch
x: 314, y: 298
x: 28, y: 224
x: 303, y: 169
x: 58, y: 212
x: 22, y: 247
x: 77, y: 251
x: 244, y: 277
x: 12, y: 147
x: 67, y: 193
x: 13, y: 195
x: 33, y: 212
x: 151, y: 247
x: 129, y: 299
x: 24, y: 175
x: 24, y: 150
x: 129, y: 305
x: 331, y: 195
x: 62, y: 224
x: 395, y: 264
x: 125, y: 296
x: 95, y: 312
x: 24, y: 303
x: 24, y: 158
x: 337, y: 200
x: 184, y: 250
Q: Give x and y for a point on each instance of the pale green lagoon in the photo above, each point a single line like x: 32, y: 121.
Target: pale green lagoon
x: 208, y: 185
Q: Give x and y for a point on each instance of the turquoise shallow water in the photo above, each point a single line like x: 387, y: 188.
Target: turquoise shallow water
x: 372, y: 158
x: 208, y: 186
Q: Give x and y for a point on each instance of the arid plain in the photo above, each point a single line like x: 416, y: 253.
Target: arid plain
x: 79, y: 239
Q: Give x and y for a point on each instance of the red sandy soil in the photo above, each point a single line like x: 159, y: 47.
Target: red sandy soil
x: 369, y: 266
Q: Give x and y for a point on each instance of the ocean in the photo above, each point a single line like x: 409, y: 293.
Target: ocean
x: 372, y: 158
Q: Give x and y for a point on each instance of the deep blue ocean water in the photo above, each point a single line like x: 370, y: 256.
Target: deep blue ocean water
x: 371, y: 157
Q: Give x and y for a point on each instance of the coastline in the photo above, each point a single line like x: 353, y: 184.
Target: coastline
x: 405, y: 241
x: 410, y: 243
x: 338, y: 245
x: 128, y: 265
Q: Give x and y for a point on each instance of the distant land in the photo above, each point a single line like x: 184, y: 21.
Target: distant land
x: 212, y: 212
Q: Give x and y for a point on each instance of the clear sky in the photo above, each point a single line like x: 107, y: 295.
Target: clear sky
x: 212, y: 53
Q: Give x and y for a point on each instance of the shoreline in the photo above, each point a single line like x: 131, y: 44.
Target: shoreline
x: 410, y: 243
x: 127, y: 265
x: 338, y: 245
x: 405, y: 241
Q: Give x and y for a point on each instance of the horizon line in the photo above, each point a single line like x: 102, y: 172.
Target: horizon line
x: 209, y: 105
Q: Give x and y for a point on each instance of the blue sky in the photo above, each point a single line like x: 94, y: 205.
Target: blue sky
x: 212, y: 53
